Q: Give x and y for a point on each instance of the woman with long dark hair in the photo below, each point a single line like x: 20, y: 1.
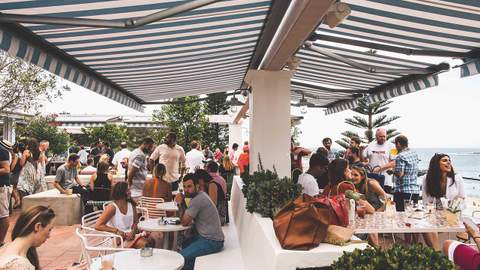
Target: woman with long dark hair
x: 440, y: 181
x: 29, y: 180
x: 31, y: 230
x: 102, y: 178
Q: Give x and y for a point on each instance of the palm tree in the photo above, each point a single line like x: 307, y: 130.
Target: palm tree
x: 370, y: 118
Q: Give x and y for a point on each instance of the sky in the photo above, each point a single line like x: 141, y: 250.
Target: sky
x: 440, y: 117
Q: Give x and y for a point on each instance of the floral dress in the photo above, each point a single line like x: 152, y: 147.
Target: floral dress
x: 15, y: 262
x: 29, y: 179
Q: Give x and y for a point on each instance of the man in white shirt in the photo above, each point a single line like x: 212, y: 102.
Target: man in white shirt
x: 380, y: 155
x: 194, y: 158
x: 119, y: 156
x: 83, y: 155
x: 317, y: 166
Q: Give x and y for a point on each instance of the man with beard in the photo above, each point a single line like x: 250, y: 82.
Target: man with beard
x: 137, y: 168
x: 202, y: 213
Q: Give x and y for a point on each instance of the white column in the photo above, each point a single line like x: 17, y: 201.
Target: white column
x: 9, y: 129
x: 270, y: 119
x: 235, y: 134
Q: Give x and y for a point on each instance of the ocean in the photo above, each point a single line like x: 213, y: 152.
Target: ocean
x: 465, y: 161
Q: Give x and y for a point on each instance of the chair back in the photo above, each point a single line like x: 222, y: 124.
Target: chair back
x: 96, y: 243
x: 89, y: 220
x: 148, y: 207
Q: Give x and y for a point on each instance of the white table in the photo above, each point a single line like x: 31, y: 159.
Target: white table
x: 155, y: 225
x: 398, y: 222
x: 167, y: 206
x: 131, y: 259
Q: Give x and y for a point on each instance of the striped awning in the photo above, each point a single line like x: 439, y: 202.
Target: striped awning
x: 330, y: 83
x: 201, y: 51
x: 470, y: 68
x: 450, y: 27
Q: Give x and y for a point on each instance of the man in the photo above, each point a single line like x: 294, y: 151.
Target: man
x: 296, y: 155
x: 83, y: 154
x: 5, y: 188
x: 327, y: 143
x: 207, y: 153
x: 90, y: 169
x: 67, y: 178
x: 194, y: 158
x: 406, y: 173
x: 137, y: 168
x: 379, y: 155
x: 107, y: 150
x: 119, y: 156
x: 203, y: 216
x: 354, y: 143
x: 172, y: 156
x: 96, y: 152
x: 317, y: 166
x: 43, y: 160
x: 219, y: 197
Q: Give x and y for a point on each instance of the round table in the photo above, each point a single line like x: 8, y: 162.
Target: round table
x: 131, y: 259
x: 155, y: 225
x: 168, y: 206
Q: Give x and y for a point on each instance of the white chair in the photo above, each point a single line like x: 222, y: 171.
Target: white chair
x: 98, y: 243
x: 148, y: 207
x: 89, y: 220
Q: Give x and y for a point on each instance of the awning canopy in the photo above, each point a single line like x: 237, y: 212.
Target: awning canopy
x: 429, y: 28
x: 201, y: 51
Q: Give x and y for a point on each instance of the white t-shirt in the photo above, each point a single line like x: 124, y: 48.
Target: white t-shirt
x: 457, y: 189
x: 309, y: 184
x: 380, y: 155
x: 194, y: 159
x: 83, y: 156
x: 118, y: 157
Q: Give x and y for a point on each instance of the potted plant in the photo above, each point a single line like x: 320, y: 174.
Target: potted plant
x: 266, y: 193
x: 397, y: 257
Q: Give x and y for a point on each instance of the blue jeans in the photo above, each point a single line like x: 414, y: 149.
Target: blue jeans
x: 199, y: 247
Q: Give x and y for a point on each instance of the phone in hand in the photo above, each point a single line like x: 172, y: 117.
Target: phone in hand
x: 472, y: 224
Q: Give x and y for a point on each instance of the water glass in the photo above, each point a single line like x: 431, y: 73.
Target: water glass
x: 408, y: 206
x: 429, y: 206
x: 108, y: 262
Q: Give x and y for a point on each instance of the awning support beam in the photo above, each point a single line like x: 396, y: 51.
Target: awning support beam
x: 388, y: 48
x: 367, y: 68
x: 127, y: 23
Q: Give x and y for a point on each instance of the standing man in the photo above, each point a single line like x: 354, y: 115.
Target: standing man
x: 379, y: 155
x: 137, y: 168
x: 43, y: 160
x: 406, y: 174
x: 119, y: 156
x: 96, y: 152
x: 327, y: 143
x: 354, y: 143
x: 203, y: 215
x: 172, y: 156
x: 207, y: 153
x: 194, y: 158
x: 5, y: 188
x: 83, y: 155
x: 318, y: 165
x: 107, y: 150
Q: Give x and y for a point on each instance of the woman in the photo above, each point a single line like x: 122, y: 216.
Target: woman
x: 101, y: 178
x: 465, y: 257
x: 440, y: 181
x: 373, y: 192
x: 214, y: 191
x: 244, y: 160
x: 227, y: 169
x: 31, y: 230
x: 338, y: 175
x: 157, y: 187
x: 30, y: 175
x: 120, y: 217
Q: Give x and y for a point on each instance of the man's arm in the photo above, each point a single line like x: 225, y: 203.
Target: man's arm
x: 4, y: 167
x: 132, y: 170
x: 60, y: 188
x: 77, y: 179
x: 399, y: 170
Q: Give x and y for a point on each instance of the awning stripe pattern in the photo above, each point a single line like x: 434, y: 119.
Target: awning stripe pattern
x: 470, y: 68
x: 201, y: 51
x: 319, y: 70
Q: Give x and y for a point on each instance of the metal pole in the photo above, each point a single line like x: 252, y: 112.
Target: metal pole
x: 367, y: 68
x: 128, y: 23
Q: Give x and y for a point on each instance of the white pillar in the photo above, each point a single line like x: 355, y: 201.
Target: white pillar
x: 235, y: 134
x: 270, y: 119
x: 9, y: 129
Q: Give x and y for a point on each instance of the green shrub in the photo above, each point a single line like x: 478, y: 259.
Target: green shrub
x: 266, y: 193
x: 398, y: 257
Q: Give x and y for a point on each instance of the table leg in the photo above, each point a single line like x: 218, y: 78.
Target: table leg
x: 166, y: 240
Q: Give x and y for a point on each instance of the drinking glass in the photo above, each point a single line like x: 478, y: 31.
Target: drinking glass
x: 429, y: 206
x: 408, y: 206
x: 108, y: 261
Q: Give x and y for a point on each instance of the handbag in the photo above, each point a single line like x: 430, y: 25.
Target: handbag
x: 338, y: 206
x: 338, y: 235
x: 301, y: 224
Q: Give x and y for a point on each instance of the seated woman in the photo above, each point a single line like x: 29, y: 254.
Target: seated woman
x: 440, y: 181
x: 30, y: 231
x: 215, y: 191
x: 339, y: 175
x: 465, y: 257
x: 157, y: 187
x: 102, y: 178
x: 374, y: 194
x: 120, y: 217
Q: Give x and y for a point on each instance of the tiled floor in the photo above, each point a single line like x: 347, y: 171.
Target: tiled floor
x: 60, y: 251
